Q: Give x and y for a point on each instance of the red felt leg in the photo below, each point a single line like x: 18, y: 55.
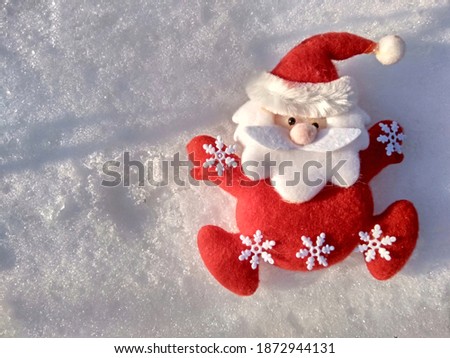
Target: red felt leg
x: 398, y: 221
x: 220, y: 251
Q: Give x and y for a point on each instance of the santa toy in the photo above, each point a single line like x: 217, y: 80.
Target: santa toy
x: 302, y: 182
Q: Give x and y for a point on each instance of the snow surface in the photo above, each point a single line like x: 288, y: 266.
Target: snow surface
x: 84, y: 81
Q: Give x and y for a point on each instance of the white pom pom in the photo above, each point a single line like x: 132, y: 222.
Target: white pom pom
x: 390, y: 49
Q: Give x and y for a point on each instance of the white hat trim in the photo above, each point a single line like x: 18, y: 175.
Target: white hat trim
x: 314, y: 100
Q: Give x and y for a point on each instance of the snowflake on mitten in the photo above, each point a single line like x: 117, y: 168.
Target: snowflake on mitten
x: 222, y: 159
x: 393, y: 137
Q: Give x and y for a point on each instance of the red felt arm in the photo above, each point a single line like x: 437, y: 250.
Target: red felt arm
x: 386, y: 138
x: 232, y: 178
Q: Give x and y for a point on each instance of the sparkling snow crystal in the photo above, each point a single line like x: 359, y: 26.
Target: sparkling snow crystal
x: 220, y: 158
x: 314, y: 251
x: 373, y: 244
x: 256, y: 249
x: 393, y: 138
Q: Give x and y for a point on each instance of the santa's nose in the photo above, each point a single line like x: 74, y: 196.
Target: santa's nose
x: 303, y: 133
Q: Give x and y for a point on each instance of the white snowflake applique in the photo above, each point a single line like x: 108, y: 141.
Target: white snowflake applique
x: 256, y: 249
x: 315, y: 252
x: 373, y: 244
x: 221, y: 159
x: 393, y: 138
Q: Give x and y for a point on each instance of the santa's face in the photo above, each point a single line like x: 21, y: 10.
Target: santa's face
x: 302, y: 130
x: 294, y: 143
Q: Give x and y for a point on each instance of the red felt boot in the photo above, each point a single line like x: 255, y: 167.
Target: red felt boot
x: 390, y: 241
x: 222, y: 253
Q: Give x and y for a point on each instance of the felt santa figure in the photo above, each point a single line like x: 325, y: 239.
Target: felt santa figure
x: 303, y: 199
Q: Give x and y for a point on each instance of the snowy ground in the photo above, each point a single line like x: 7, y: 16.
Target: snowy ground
x: 83, y: 81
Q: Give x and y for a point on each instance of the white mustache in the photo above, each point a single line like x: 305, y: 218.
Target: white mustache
x: 277, y: 138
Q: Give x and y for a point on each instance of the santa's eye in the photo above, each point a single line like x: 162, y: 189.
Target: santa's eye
x: 315, y: 124
x: 291, y: 121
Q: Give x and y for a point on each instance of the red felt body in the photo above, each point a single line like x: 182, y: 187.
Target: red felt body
x: 341, y: 213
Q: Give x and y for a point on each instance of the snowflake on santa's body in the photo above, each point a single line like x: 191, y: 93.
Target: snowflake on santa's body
x: 392, y: 137
x: 257, y: 249
x: 221, y: 159
x: 315, y: 251
x: 373, y: 244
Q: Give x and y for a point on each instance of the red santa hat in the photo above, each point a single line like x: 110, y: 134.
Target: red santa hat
x: 305, y: 82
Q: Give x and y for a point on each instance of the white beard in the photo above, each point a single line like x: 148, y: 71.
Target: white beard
x: 305, y: 170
